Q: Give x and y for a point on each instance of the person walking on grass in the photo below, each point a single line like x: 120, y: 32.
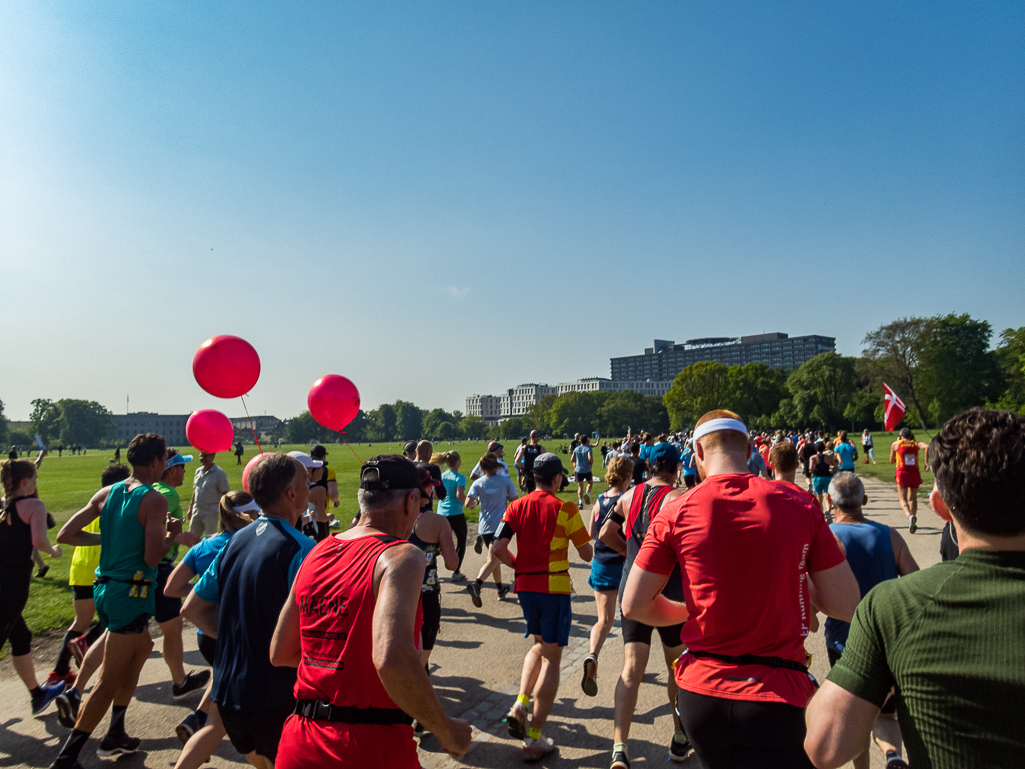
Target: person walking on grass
x: 136, y: 533
x: 451, y: 506
x: 606, y: 568
x: 583, y: 461
x: 867, y: 447
x: 208, y: 486
x: 904, y: 453
x: 493, y: 492
x: 22, y: 529
x: 544, y: 527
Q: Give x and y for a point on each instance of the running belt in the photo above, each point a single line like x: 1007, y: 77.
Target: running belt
x: 317, y: 710
x: 751, y: 659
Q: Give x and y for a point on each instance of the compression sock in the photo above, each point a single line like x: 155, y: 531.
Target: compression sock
x: 524, y: 700
x: 68, y: 756
x: 200, y: 718
x: 63, y: 664
x: 534, y: 733
x: 117, y: 721
x: 619, y: 747
x: 479, y: 582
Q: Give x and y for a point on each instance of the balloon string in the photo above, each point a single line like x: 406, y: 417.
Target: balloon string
x: 342, y: 433
x: 251, y: 425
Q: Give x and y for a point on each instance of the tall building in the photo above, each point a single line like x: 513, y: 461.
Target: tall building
x: 666, y: 359
x: 171, y: 426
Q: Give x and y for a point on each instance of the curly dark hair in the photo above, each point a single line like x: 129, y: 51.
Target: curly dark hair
x: 978, y: 459
x: 144, y: 448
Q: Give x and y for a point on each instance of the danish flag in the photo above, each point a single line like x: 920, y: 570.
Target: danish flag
x: 894, y: 408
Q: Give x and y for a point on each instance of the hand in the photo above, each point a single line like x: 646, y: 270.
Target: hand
x: 187, y: 538
x: 57, y: 552
x: 336, y: 503
x: 174, y: 526
x: 458, y: 739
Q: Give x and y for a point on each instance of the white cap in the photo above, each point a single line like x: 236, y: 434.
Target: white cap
x: 308, y: 461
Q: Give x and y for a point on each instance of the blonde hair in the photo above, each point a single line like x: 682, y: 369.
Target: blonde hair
x: 227, y: 517
x: 620, y: 470
x: 450, y: 458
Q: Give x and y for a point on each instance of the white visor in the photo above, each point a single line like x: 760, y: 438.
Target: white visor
x: 715, y: 425
x: 248, y: 507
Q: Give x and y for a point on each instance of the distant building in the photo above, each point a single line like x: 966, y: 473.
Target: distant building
x: 514, y: 402
x: 656, y: 387
x: 266, y: 427
x: 666, y: 359
x: 171, y: 426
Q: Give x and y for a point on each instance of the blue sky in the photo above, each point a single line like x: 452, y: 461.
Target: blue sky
x: 436, y: 199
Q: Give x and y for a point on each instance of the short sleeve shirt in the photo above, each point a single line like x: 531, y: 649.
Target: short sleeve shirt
x: 174, y: 508
x: 451, y: 505
x: 493, y: 492
x: 580, y: 462
x: 756, y: 464
x: 744, y: 546
x: 846, y: 452
x: 209, y: 486
x: 544, y: 526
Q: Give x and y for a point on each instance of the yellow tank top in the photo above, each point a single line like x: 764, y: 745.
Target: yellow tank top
x: 85, y: 560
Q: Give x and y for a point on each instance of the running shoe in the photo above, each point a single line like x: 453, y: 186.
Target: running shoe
x: 478, y: 546
x: 912, y: 524
x: 42, y: 571
x: 48, y: 692
x: 122, y: 744
x: 588, y: 682
x: 678, y: 751
x: 192, y: 682
x: 620, y: 761
x: 78, y: 647
x: 458, y: 576
x: 503, y: 591
x: 897, y: 763
x: 535, y: 750
x: 516, y: 720
x: 334, y: 524
x: 474, y: 590
x: 68, y: 678
x: 189, y: 726
x: 67, y: 703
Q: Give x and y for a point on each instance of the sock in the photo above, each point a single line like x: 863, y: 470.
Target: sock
x: 680, y: 737
x: 619, y: 747
x: 72, y: 748
x: 117, y: 721
x: 36, y: 694
x: 524, y: 700
x: 534, y: 733
x: 200, y: 717
x: 63, y: 664
x: 479, y: 581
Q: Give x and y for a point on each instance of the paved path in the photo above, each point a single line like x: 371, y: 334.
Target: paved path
x: 475, y: 669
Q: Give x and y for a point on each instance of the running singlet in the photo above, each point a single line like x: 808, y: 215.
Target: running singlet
x: 15, y: 538
x: 820, y: 468
x: 602, y: 552
x: 335, y: 595
x: 645, y: 506
x: 122, y: 537
x: 869, y: 551
x: 908, y: 473
x: 530, y: 453
x: 431, y: 550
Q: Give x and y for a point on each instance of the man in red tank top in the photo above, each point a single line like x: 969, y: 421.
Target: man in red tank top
x: 352, y: 628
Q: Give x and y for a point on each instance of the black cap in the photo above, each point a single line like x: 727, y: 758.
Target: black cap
x: 410, y: 446
x: 427, y: 474
x: 318, y: 452
x: 547, y: 466
x: 389, y: 471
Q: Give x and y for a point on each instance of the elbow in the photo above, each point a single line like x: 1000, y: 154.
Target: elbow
x: 820, y: 754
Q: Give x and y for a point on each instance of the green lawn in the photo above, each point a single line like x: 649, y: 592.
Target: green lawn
x: 66, y: 484
x: 884, y: 471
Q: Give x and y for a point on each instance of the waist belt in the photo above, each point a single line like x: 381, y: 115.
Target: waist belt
x: 105, y: 580
x: 751, y: 659
x: 317, y: 710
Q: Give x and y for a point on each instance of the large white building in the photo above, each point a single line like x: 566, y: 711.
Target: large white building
x: 515, y: 401
x: 655, y: 387
x: 170, y: 426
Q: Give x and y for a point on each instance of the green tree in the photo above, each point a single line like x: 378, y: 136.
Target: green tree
x: 820, y: 391
x: 573, y: 412
x: 84, y: 422
x: 513, y: 428
x: 1010, y: 358
x: 958, y: 369
x: 624, y: 410
x: 382, y: 423
x: 893, y: 354
x: 433, y: 421
x: 539, y: 415
x: 45, y: 420
x: 697, y: 389
x: 356, y: 430
x: 3, y: 426
x: 305, y: 429
x: 409, y: 420
x: 473, y: 428
x: 756, y: 390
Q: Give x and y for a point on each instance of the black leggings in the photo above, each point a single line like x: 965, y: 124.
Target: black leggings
x: 735, y: 734
x: 14, y: 585
x: 458, y: 524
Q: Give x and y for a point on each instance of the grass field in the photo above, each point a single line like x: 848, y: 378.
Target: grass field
x: 66, y: 484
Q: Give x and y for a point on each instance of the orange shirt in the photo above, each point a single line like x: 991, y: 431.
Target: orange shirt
x: 544, y: 525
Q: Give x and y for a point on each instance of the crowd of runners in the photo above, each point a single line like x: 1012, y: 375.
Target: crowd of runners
x: 320, y: 643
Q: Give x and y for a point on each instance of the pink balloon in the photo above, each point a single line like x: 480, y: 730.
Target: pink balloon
x: 333, y: 401
x: 210, y: 431
x: 249, y: 468
x: 226, y: 366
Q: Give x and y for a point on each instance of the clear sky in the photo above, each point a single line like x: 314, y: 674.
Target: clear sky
x: 444, y: 198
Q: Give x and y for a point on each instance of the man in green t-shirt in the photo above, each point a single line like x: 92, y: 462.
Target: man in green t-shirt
x: 947, y: 638
x: 168, y: 613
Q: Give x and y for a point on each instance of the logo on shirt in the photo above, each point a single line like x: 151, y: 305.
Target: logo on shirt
x: 261, y: 527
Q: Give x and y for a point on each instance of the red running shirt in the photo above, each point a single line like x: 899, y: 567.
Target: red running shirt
x: 908, y: 472
x: 544, y: 526
x: 744, y: 545
x: 334, y: 592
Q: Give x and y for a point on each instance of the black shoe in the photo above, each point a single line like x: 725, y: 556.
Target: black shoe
x: 620, y: 761
x: 122, y: 744
x: 678, y: 751
x: 474, y: 590
x: 478, y: 546
x: 588, y: 682
x: 67, y: 707
x: 42, y: 571
x: 192, y: 682
x: 503, y: 591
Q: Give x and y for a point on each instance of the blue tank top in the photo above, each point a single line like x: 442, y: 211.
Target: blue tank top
x: 870, y: 555
x: 602, y: 552
x: 122, y: 537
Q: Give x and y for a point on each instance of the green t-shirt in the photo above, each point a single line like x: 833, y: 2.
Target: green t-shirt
x: 174, y: 507
x: 951, y: 638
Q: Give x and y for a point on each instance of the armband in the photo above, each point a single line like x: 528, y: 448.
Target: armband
x: 504, y: 531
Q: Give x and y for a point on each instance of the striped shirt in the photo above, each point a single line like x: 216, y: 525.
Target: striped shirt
x: 545, y: 526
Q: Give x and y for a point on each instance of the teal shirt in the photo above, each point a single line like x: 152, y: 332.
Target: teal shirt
x: 122, y: 537
x: 450, y: 506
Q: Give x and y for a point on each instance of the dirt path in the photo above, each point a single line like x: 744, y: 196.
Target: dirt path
x: 475, y: 669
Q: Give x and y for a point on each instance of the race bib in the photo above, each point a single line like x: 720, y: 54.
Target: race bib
x: 909, y: 460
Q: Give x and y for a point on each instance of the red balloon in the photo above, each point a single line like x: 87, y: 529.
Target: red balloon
x: 226, y: 366
x: 249, y: 468
x: 333, y: 401
x: 210, y: 431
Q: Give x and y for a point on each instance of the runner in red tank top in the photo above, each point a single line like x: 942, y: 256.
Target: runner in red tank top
x: 352, y: 627
x: 904, y: 453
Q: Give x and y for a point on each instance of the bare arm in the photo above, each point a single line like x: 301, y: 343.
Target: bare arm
x: 395, y: 654
x: 586, y: 552
x: 839, y: 726
x: 72, y: 533
x: 501, y: 550
x: 906, y: 563
x: 39, y: 458
x: 446, y: 545
x: 611, y: 535
x: 470, y: 503
x: 643, y: 600
x: 836, y: 591
x: 332, y: 493
x: 286, y: 645
x: 925, y: 454
x: 318, y: 496
x: 37, y: 525
x: 893, y: 453
x: 178, y: 583
x: 201, y: 614
x: 461, y: 493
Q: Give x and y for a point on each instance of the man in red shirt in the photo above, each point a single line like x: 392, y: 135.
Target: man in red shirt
x: 747, y: 549
x: 352, y: 628
x: 545, y: 526
x: 786, y: 460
